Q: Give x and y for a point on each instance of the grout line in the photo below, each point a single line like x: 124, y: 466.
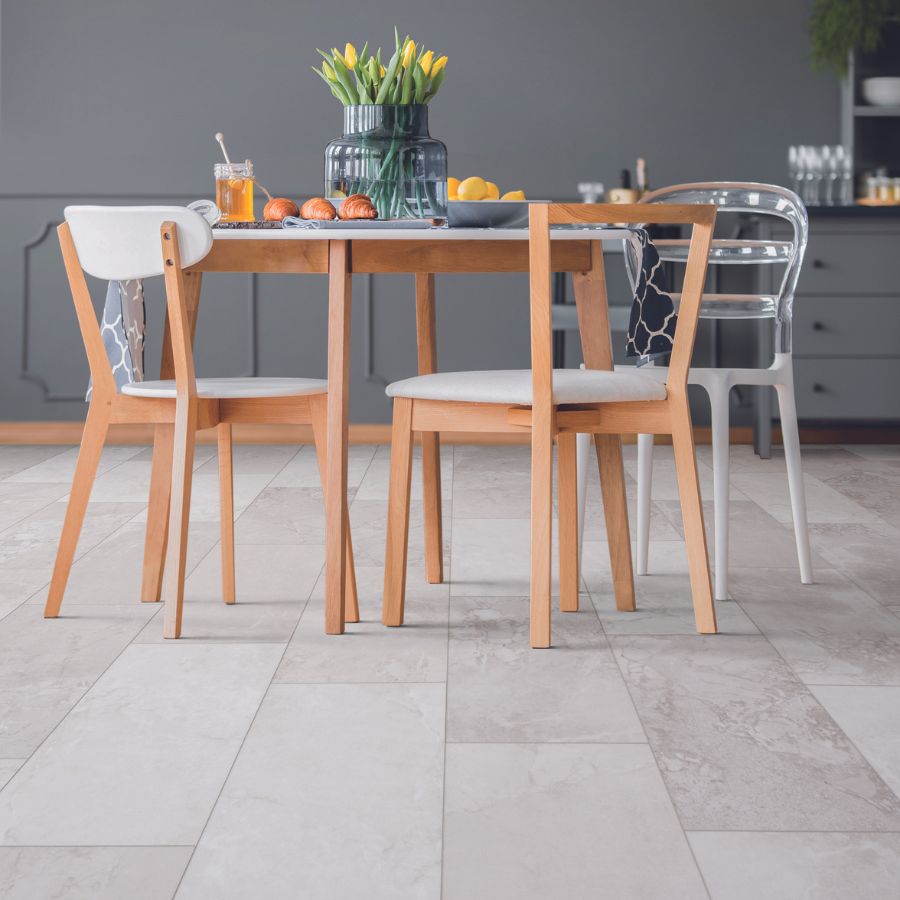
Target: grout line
x: 815, y: 699
x: 653, y: 754
x: 258, y: 708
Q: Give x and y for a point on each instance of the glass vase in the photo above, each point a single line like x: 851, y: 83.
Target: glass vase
x: 387, y: 154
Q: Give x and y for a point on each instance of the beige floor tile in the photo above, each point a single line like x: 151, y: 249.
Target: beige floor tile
x: 779, y: 866
x: 870, y: 717
x: 143, y: 756
x: 578, y: 820
x: 830, y: 632
x: 337, y: 792
x: 91, y: 873
x: 741, y: 742
x: 499, y: 689
x: 369, y: 651
x: 273, y: 585
x: 46, y: 665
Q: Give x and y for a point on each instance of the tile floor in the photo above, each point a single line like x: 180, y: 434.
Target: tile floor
x: 258, y: 758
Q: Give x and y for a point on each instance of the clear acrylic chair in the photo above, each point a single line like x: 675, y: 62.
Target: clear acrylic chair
x: 758, y: 199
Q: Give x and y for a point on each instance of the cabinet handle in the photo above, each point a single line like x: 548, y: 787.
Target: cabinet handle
x: 818, y: 388
x: 818, y: 264
x: 818, y: 326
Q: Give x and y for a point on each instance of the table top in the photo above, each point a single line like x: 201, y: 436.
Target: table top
x: 597, y: 233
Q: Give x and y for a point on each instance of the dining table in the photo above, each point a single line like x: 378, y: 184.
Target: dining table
x: 342, y: 252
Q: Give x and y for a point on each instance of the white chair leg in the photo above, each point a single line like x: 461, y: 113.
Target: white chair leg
x: 791, y: 438
x: 644, y: 486
x: 719, y: 389
x: 582, y: 449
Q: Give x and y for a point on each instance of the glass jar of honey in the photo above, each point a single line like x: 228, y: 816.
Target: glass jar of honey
x: 234, y: 191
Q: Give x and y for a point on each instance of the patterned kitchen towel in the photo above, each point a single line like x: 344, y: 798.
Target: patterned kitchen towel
x: 651, y: 329
x: 122, y: 330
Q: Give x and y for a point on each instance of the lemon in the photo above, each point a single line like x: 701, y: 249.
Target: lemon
x: 493, y: 192
x: 474, y: 188
x: 453, y: 188
x: 513, y: 195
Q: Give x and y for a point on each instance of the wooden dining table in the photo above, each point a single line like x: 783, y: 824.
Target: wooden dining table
x: 341, y: 253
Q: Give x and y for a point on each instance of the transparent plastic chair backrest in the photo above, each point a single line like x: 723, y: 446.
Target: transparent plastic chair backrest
x: 758, y: 199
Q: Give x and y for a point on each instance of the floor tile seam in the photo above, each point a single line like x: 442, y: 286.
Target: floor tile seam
x: 789, y: 831
x: 822, y: 707
x: 237, y: 754
x: 76, y: 702
x: 655, y: 758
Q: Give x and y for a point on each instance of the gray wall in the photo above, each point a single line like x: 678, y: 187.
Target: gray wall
x: 118, y: 101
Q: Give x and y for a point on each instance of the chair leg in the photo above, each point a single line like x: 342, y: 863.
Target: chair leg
x: 179, y: 516
x: 318, y: 406
x: 790, y: 435
x: 92, y: 439
x: 644, y: 491
x: 157, y: 514
x: 582, y: 446
x: 431, y: 498
x: 541, y: 533
x: 226, y: 509
x: 569, y: 550
x: 692, y: 514
x: 615, y: 511
x: 398, y: 513
x: 718, y: 399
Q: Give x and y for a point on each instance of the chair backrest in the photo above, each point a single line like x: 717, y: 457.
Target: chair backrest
x: 118, y: 243
x: 758, y: 199
x: 593, y: 313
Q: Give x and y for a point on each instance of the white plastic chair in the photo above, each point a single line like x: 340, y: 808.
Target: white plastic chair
x: 759, y: 199
x: 124, y: 243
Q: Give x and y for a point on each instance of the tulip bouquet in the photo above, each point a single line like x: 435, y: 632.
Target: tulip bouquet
x: 386, y: 152
x: 409, y: 77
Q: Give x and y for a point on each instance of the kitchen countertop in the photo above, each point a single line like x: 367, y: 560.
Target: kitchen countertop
x: 853, y: 212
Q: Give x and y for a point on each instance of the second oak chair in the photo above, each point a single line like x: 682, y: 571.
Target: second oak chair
x: 124, y: 243
x: 555, y: 406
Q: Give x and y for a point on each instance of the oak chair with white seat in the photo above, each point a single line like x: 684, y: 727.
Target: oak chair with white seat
x: 125, y: 243
x: 557, y: 405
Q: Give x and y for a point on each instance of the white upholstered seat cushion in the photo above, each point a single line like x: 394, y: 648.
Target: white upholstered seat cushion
x: 513, y: 386
x: 232, y: 388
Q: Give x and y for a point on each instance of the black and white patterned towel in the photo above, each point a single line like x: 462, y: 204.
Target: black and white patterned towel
x: 122, y: 330
x: 651, y: 329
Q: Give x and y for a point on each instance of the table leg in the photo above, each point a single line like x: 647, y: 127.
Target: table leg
x: 157, y: 533
x: 593, y: 323
x: 426, y: 336
x: 339, y: 308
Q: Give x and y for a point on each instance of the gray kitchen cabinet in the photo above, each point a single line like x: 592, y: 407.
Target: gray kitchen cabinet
x: 847, y: 320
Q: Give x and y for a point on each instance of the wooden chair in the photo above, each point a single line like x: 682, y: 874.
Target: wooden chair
x: 558, y: 405
x: 121, y: 243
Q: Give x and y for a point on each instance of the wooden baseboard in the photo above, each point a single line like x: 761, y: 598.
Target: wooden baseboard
x: 68, y: 433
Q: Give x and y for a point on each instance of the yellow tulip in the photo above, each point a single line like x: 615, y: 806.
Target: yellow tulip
x: 439, y: 64
x: 409, y: 54
x: 381, y: 71
x: 338, y: 55
x: 425, y: 62
x: 329, y: 72
x: 350, y: 55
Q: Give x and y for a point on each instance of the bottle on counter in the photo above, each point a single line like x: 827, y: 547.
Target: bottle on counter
x: 625, y: 193
x: 640, y: 168
x: 591, y: 191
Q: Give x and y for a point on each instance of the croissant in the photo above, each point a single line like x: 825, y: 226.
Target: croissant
x: 358, y: 206
x: 317, y: 208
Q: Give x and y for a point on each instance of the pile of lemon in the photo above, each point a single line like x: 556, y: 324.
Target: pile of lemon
x: 476, y: 188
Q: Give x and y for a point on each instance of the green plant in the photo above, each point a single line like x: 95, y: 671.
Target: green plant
x: 838, y: 26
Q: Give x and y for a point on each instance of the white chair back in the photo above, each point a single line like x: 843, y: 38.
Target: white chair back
x: 118, y: 243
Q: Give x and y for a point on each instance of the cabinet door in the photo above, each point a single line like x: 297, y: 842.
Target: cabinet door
x: 847, y: 388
